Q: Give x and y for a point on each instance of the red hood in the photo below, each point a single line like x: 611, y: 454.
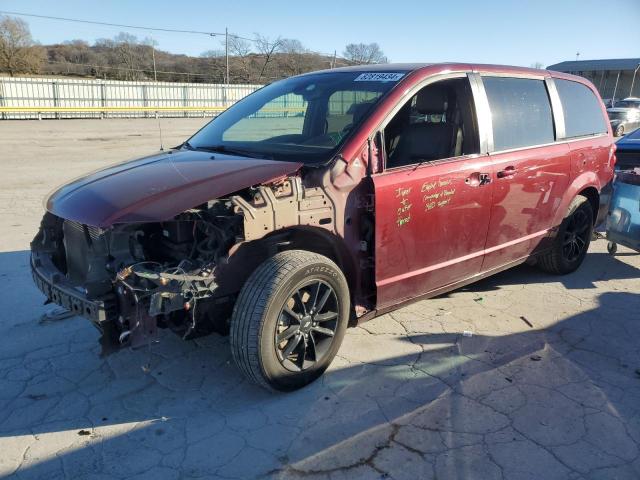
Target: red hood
x: 159, y: 187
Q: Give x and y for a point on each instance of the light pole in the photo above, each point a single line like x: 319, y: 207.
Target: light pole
x: 633, y: 80
x: 226, y: 51
x: 615, y: 89
x: 153, y: 56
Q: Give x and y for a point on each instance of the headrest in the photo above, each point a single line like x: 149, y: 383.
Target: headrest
x: 359, y: 110
x: 432, y: 100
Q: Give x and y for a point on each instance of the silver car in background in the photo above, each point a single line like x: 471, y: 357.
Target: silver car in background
x: 624, y: 116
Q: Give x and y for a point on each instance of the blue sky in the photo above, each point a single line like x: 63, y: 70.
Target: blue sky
x: 518, y: 32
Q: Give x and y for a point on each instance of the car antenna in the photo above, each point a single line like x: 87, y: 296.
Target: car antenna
x: 160, y: 131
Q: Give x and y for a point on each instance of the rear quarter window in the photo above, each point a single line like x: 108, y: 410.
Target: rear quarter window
x: 520, y: 112
x: 581, y: 109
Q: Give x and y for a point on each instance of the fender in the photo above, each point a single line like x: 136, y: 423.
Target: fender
x: 581, y: 182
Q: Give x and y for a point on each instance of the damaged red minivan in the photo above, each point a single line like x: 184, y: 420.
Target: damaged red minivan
x: 329, y: 198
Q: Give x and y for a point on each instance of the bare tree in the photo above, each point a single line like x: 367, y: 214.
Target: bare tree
x: 215, y: 63
x: 241, y: 49
x: 293, y: 56
x: 537, y: 65
x: 126, y: 48
x: 364, y: 53
x: 266, y: 48
x: 18, y: 52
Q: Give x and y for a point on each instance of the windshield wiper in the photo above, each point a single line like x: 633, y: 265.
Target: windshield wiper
x: 230, y: 151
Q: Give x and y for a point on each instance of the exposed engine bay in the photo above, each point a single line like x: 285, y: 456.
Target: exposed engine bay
x: 182, y: 274
x: 149, y: 274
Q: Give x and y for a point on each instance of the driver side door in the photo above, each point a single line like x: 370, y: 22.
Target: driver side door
x: 432, y: 216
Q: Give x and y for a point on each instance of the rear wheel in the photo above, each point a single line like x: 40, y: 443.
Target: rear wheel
x: 619, y: 131
x: 289, y: 320
x: 572, y: 240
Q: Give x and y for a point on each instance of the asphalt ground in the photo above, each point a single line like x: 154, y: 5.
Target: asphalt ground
x: 521, y: 376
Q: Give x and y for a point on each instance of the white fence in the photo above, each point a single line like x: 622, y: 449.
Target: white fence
x: 41, y: 97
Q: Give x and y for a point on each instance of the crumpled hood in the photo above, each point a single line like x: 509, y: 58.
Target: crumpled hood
x: 159, y: 187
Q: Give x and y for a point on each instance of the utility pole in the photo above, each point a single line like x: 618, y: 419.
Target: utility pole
x: 615, y: 89
x: 226, y: 51
x: 153, y: 55
x: 333, y: 61
x: 633, y: 80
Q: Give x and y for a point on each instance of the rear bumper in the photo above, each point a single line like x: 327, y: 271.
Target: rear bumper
x: 60, y: 291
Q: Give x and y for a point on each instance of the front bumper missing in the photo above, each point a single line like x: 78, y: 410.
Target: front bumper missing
x: 60, y: 291
x: 55, y: 286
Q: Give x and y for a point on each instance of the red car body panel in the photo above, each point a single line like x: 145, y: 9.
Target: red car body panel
x: 431, y: 226
x: 525, y: 200
x: 159, y: 187
x: 418, y: 250
x: 483, y: 229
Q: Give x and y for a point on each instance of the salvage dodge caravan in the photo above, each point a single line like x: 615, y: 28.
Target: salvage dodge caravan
x: 325, y: 199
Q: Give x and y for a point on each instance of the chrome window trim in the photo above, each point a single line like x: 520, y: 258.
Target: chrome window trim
x: 598, y: 100
x: 429, y: 163
x: 557, y: 142
x: 531, y: 76
x: 556, y: 108
x: 524, y: 77
x: 410, y: 92
x: 483, y: 113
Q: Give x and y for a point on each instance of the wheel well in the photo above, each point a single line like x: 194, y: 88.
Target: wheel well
x: 594, y: 199
x: 324, y: 243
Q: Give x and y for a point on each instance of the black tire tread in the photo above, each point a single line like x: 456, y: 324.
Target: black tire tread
x: 550, y: 261
x: 250, y: 307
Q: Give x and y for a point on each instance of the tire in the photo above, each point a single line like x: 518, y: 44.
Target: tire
x: 612, y: 248
x: 268, y: 305
x: 572, y: 240
x: 619, y: 131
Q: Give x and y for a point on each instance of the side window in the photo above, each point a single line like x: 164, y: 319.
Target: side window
x: 437, y: 123
x: 347, y: 108
x: 520, y: 112
x: 581, y: 109
x: 283, y: 116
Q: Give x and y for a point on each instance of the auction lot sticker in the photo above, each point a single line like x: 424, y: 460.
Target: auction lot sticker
x: 378, y: 77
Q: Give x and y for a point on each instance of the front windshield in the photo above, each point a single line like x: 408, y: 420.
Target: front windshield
x: 302, y: 119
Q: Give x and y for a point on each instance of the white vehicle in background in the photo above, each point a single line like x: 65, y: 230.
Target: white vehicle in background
x: 624, y: 116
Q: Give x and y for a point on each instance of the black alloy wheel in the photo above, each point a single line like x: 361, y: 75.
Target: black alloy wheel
x: 576, y: 235
x: 306, y: 325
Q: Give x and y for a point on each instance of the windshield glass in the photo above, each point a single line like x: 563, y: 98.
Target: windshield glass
x: 303, y: 119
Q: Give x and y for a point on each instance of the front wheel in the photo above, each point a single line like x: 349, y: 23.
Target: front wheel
x: 289, y: 320
x: 619, y: 131
x: 572, y: 240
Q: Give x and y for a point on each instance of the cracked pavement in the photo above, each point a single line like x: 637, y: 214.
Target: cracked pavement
x: 521, y: 376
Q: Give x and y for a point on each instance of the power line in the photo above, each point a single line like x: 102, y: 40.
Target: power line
x: 138, y: 27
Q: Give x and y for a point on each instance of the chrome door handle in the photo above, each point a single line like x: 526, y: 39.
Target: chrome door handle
x: 507, y: 172
x: 478, y: 179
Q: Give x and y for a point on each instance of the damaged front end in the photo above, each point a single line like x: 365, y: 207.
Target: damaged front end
x: 130, y: 279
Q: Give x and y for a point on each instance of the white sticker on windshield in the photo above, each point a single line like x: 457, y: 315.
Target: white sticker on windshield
x: 378, y: 77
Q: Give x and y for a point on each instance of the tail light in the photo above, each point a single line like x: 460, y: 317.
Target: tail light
x: 612, y: 155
